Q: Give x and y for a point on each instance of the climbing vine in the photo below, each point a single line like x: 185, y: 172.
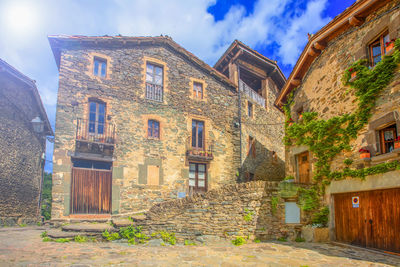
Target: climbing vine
x: 327, y: 138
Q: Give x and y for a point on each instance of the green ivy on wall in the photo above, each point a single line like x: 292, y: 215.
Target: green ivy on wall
x: 327, y: 138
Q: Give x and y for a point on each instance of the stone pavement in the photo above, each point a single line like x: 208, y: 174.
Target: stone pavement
x: 24, y: 247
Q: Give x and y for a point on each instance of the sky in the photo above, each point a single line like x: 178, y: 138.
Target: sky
x: 276, y: 28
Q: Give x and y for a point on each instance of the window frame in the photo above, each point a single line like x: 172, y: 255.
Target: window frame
x: 250, y: 109
x: 197, y: 92
x: 196, y: 136
x: 97, y: 115
x: 196, y: 187
x: 151, y: 129
x: 100, y: 67
x: 382, y: 141
x: 251, y: 146
x: 380, y: 39
x: 153, y: 83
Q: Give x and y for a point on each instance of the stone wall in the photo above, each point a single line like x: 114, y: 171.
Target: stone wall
x: 123, y: 92
x: 221, y: 212
x: 21, y: 151
x: 322, y: 90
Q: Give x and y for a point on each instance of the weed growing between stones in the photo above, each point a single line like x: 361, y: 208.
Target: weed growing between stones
x: 22, y: 225
x: 282, y: 239
x: 300, y: 239
x: 248, y: 217
x: 80, y: 239
x: 46, y: 239
x: 44, y: 234
x: 239, y: 240
x: 167, y: 237
x: 257, y: 240
x: 274, y: 204
x: 62, y: 240
x: 189, y: 243
x: 327, y: 138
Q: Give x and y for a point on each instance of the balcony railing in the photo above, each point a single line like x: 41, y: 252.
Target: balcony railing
x: 95, y: 132
x: 154, y: 92
x: 204, y: 153
x: 251, y: 93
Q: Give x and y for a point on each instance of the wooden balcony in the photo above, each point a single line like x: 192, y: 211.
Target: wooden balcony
x: 251, y: 93
x: 200, y: 154
x: 94, y: 136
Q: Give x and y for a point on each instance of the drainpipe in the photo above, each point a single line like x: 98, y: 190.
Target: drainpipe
x: 240, y: 120
x: 43, y: 161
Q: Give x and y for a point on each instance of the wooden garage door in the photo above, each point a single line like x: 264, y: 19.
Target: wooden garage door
x: 91, y: 191
x: 375, y: 223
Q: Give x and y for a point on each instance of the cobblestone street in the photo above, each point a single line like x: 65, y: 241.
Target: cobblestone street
x: 24, y: 247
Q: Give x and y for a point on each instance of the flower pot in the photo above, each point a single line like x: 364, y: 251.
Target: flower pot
x: 353, y: 74
x: 389, y: 47
x: 365, y: 155
x: 396, y: 144
x: 291, y: 123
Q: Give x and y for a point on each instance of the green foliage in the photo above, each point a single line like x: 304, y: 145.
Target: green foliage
x: 348, y: 162
x: 257, y: 240
x: 22, y: 225
x: 289, y: 178
x: 274, y: 204
x: 321, y: 217
x: 80, y: 239
x: 46, y: 239
x: 46, y: 196
x: 300, y: 239
x: 62, y: 240
x: 248, y: 216
x: 239, y: 240
x: 112, y: 236
x: 189, y: 243
x: 168, y: 237
x: 44, y: 234
x: 282, y: 239
x: 327, y: 138
x: 133, y: 234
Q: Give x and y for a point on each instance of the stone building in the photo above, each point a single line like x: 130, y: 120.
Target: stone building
x: 23, y: 145
x: 362, y: 193
x: 140, y: 120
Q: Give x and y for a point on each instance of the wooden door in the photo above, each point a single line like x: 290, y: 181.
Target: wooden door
x: 304, y: 167
x: 91, y: 191
x: 375, y: 223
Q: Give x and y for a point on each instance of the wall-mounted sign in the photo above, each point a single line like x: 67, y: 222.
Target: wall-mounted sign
x: 356, y: 202
x: 181, y: 194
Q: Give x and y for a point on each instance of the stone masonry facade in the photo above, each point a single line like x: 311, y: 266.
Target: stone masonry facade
x: 123, y: 92
x: 21, y: 163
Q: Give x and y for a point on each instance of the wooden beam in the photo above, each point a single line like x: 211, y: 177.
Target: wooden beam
x: 313, y: 52
x: 295, y: 82
x: 356, y: 21
x: 320, y: 45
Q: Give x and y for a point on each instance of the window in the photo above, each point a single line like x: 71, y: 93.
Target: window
x: 97, y: 113
x: 198, y: 90
x: 154, y: 82
x: 153, y: 129
x: 377, y: 48
x: 252, y: 147
x: 292, y: 212
x: 197, y: 134
x: 387, y: 136
x: 197, y: 177
x: 89, y: 164
x: 249, y: 109
x: 100, y: 67
x: 303, y: 167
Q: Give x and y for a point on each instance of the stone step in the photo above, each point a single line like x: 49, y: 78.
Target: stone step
x: 88, y: 227
x: 118, y: 223
x: 57, y: 233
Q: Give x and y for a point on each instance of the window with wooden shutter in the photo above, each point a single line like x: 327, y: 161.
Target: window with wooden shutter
x: 197, y: 90
x: 251, y: 147
x: 153, y: 175
x: 378, y: 48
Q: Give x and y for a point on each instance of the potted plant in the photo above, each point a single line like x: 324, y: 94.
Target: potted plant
x: 397, y: 143
x: 290, y: 121
x: 364, y: 153
x: 353, y: 73
x: 389, y: 45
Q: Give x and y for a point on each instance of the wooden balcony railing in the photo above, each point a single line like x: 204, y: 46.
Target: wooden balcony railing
x: 95, y: 132
x: 204, y: 153
x: 251, y: 93
x: 154, y: 92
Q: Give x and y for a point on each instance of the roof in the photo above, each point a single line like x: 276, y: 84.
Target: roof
x: 238, y: 46
x: 31, y: 85
x: 59, y: 42
x: 354, y: 15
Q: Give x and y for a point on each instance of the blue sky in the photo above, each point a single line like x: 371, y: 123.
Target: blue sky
x: 276, y: 28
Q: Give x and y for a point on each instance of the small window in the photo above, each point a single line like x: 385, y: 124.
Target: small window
x: 197, y: 177
x: 197, y: 134
x: 292, y: 212
x: 197, y: 90
x: 249, y: 109
x: 252, y: 147
x: 154, y: 82
x: 100, y: 67
x: 387, y: 137
x: 377, y: 48
x: 303, y: 167
x: 153, y: 129
x: 153, y: 175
